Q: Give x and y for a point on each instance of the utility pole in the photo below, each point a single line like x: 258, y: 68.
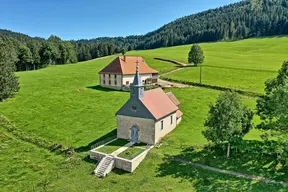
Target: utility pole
x: 200, y: 73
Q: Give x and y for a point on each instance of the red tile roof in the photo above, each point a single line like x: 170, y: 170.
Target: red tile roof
x: 173, y: 98
x: 179, y: 113
x: 126, y: 65
x: 158, y: 103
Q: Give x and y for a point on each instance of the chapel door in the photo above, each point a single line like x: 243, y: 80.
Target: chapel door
x: 134, y: 133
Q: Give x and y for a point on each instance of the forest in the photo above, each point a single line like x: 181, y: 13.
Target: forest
x: 248, y: 18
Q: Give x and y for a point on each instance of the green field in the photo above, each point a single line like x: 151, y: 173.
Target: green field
x: 246, y: 80
x: 257, y: 53
x: 64, y: 104
x: 259, y: 59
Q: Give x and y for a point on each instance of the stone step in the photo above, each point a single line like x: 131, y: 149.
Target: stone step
x: 106, y: 162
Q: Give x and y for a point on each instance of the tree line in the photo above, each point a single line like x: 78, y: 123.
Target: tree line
x: 35, y: 53
x: 249, y: 18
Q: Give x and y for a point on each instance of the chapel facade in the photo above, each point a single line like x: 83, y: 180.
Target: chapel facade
x: 147, y: 116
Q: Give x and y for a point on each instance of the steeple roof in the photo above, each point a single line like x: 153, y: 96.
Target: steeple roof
x: 137, y: 79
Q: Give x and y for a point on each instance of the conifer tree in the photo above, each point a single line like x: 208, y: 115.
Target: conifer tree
x: 8, y: 81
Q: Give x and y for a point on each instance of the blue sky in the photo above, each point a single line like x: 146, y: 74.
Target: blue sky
x: 70, y: 19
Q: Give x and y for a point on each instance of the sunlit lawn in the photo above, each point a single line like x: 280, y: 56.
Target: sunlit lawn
x: 65, y: 104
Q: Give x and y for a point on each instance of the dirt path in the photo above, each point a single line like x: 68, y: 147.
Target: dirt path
x: 173, y: 61
x: 237, y: 174
x: 171, y: 71
x: 168, y: 84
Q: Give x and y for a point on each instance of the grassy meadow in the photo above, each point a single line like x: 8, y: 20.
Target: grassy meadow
x: 65, y: 104
x: 244, y: 64
x: 257, y: 53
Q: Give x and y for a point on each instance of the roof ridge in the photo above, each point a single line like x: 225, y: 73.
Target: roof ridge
x: 120, y: 65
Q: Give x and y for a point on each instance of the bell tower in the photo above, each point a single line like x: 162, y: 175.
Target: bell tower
x: 137, y: 88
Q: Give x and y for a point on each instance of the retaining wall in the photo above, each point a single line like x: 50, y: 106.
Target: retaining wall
x: 121, y: 163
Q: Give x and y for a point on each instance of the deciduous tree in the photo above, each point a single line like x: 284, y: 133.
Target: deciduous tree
x: 195, y: 55
x: 229, y: 119
x: 273, y: 106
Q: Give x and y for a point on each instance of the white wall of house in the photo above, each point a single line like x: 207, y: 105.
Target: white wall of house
x: 111, y: 81
x: 128, y: 79
x: 179, y: 120
x: 169, y: 124
x: 118, y: 81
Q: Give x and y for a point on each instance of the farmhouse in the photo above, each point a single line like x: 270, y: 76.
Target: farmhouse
x: 148, y: 115
x: 120, y: 72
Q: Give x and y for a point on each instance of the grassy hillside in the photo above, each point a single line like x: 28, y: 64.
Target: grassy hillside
x: 156, y: 173
x: 257, y: 53
x: 64, y: 104
x: 244, y: 64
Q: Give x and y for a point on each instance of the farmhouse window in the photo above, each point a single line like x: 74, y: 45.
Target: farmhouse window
x: 162, y: 125
x: 127, y: 82
x: 171, y: 120
x: 109, y: 82
x: 103, y: 81
x: 115, y: 82
x: 109, y: 75
x: 115, y: 76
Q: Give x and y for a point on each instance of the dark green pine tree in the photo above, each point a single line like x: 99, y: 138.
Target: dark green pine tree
x: 8, y: 81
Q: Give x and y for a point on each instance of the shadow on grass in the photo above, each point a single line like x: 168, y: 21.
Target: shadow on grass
x: 119, y: 171
x: 88, y: 147
x: 204, y: 180
x: 99, y: 88
x: 252, y: 157
x: 188, y: 66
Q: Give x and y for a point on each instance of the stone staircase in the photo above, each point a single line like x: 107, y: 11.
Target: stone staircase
x: 106, y: 164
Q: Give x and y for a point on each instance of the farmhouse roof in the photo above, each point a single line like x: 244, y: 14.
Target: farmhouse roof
x: 173, y: 98
x: 158, y: 103
x: 126, y: 65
